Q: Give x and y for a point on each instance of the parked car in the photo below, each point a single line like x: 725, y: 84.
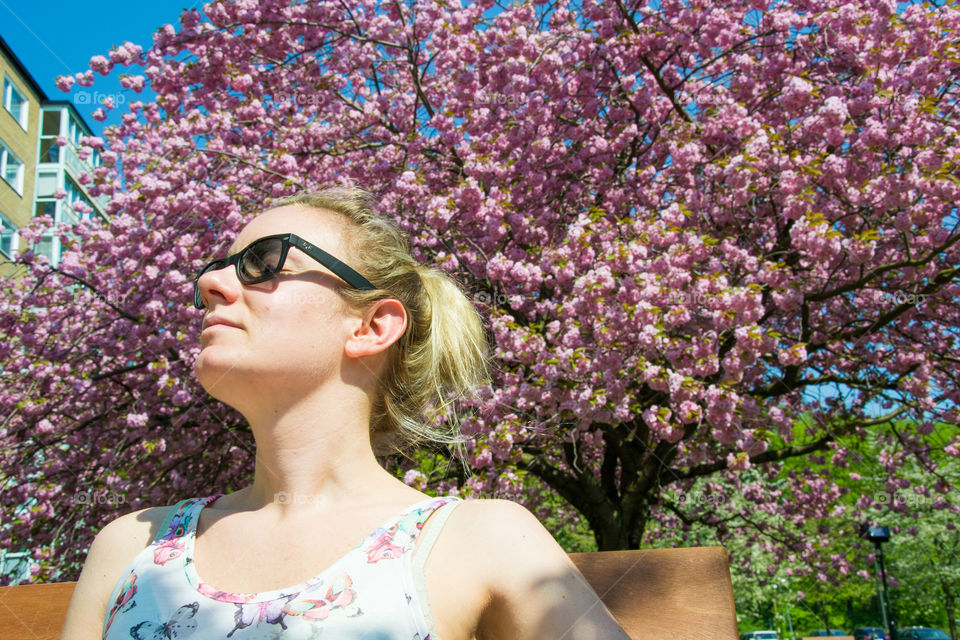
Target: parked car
x: 822, y: 633
x: 870, y: 633
x: 921, y: 633
x: 760, y: 635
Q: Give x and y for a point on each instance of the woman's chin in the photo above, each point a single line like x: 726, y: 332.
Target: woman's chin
x: 212, y: 368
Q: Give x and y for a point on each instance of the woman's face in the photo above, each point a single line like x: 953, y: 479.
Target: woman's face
x: 282, y: 334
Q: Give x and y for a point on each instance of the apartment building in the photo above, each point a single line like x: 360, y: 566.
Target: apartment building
x: 33, y: 166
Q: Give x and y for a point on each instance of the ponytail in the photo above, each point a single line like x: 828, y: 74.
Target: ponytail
x: 442, y: 354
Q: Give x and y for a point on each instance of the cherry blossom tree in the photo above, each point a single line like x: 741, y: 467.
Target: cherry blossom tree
x: 691, y: 227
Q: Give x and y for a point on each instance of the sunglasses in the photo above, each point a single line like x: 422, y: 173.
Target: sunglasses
x: 262, y: 259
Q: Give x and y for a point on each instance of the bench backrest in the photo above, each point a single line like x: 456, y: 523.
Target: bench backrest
x: 655, y: 594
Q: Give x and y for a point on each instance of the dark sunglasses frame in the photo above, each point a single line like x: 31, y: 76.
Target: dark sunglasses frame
x: 287, y: 240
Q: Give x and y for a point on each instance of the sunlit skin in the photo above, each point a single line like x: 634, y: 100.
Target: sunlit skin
x: 300, y: 366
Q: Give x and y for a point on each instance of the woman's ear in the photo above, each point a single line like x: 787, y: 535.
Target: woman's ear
x: 381, y: 326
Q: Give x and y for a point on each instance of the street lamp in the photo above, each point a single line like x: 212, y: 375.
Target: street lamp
x: 786, y: 605
x: 879, y: 535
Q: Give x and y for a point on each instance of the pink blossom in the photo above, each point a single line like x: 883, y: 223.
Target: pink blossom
x: 85, y: 79
x: 101, y: 65
x: 134, y: 82
x: 92, y: 141
x: 739, y: 461
x: 45, y: 426
x: 242, y: 82
x: 137, y: 419
x: 126, y: 54
x: 415, y: 478
x: 64, y: 83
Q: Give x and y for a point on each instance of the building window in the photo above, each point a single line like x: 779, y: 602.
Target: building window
x: 74, y: 131
x: 46, y: 208
x: 74, y: 195
x: 48, y: 247
x: 47, y: 183
x: 11, y: 168
x: 49, y: 130
x: 9, y: 240
x: 51, y: 123
x: 15, y: 102
x: 49, y: 150
x: 46, y: 202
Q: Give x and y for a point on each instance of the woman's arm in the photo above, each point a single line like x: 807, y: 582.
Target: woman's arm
x: 532, y: 589
x: 112, y: 550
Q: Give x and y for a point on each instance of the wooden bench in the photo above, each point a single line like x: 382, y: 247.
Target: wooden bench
x: 655, y: 594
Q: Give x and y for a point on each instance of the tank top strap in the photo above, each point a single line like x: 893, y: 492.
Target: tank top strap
x: 437, y: 517
x: 182, y: 518
x: 415, y: 516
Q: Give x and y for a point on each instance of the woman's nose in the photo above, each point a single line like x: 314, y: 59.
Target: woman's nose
x: 219, y: 284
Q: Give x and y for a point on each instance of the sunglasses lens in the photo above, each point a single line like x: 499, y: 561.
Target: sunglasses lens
x: 261, y: 260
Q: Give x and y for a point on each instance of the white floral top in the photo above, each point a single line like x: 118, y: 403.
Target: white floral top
x: 375, y: 591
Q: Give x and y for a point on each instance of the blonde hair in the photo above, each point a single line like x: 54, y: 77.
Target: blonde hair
x: 442, y: 353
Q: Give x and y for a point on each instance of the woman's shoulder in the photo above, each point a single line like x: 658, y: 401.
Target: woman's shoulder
x: 500, y: 533
x: 490, y: 514
x: 113, y: 548
x: 522, y: 584
x: 136, y: 529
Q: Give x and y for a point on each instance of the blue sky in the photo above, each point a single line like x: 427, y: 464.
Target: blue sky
x: 59, y: 38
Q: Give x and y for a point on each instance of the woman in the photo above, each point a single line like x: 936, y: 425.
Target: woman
x: 323, y: 363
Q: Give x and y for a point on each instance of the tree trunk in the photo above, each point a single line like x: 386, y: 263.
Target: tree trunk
x: 617, y: 511
x: 616, y: 533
